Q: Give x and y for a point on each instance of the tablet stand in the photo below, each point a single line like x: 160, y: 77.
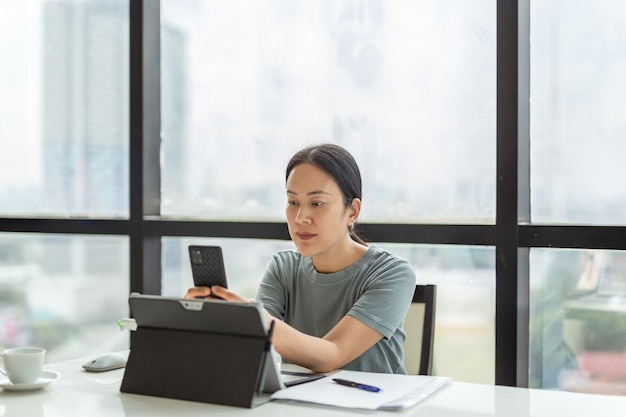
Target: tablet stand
x: 197, y: 366
x: 206, y: 367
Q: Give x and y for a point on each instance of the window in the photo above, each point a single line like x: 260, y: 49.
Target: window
x: 240, y: 78
x: 465, y: 312
x: 576, y: 141
x: 409, y: 87
x: 578, y: 319
x: 64, y: 139
x: 577, y: 127
x: 64, y: 112
x: 64, y: 293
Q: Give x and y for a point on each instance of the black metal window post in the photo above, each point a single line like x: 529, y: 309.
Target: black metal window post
x: 145, y: 141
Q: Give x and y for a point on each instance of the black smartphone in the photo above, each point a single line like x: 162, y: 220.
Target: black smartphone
x: 207, y: 266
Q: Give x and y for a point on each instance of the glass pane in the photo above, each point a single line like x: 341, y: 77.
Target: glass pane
x: 63, y: 293
x: 465, y: 318
x: 64, y: 107
x: 408, y: 87
x: 578, y: 93
x: 465, y: 279
x: 578, y: 320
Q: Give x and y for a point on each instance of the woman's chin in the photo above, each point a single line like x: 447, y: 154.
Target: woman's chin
x: 305, y: 250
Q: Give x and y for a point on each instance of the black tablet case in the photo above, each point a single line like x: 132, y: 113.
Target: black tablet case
x: 197, y: 350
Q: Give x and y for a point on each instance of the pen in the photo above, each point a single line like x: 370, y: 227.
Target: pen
x: 353, y: 384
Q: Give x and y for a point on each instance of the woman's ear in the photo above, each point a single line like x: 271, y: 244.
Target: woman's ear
x: 355, y: 210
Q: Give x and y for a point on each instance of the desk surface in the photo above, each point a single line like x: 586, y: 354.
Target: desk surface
x: 80, y: 393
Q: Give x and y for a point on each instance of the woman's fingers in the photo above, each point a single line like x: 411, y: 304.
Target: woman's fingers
x: 196, y: 292
x: 215, y: 291
x: 225, y: 294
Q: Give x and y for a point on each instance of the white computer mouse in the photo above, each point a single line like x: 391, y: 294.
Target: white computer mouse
x: 106, y: 362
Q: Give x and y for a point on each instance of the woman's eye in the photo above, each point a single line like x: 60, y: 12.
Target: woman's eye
x: 291, y: 203
x: 318, y: 203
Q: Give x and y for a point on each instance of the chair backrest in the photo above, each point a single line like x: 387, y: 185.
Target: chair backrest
x: 419, y: 325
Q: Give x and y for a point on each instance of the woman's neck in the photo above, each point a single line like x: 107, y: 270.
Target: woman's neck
x: 338, y: 259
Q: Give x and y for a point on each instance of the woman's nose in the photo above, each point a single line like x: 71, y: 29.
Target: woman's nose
x: 302, y: 217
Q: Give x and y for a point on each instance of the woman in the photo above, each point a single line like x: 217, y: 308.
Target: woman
x: 336, y: 302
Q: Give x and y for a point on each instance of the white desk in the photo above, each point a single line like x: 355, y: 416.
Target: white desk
x: 79, y: 393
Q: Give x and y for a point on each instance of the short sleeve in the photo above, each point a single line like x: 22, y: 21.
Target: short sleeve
x: 386, y: 295
x: 272, y: 292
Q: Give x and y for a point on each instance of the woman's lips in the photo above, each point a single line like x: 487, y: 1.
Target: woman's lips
x: 305, y: 236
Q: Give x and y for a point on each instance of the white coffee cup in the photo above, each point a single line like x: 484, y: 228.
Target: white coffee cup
x: 23, y: 365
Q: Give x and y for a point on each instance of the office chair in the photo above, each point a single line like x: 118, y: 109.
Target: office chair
x: 419, y: 325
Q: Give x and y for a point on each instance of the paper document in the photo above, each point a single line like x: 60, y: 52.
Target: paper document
x: 396, y: 391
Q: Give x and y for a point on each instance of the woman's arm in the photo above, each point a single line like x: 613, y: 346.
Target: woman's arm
x: 345, y: 342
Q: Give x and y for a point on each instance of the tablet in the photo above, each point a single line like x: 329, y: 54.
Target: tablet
x: 200, y: 315
x: 226, y: 319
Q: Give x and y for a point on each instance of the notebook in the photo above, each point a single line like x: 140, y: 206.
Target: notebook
x: 396, y: 391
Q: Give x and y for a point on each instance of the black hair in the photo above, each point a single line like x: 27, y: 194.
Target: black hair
x: 340, y: 165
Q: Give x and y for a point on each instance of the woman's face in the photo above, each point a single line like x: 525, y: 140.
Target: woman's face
x: 316, y: 215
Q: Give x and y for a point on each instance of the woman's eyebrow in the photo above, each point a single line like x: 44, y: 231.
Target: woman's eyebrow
x: 316, y: 192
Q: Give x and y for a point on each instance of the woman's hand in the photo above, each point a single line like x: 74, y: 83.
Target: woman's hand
x: 198, y: 292
x: 227, y: 295
x: 215, y: 291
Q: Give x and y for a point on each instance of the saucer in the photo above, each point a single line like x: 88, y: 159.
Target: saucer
x: 47, y: 377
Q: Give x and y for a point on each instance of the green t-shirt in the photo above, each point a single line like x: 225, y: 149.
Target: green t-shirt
x: 377, y: 290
